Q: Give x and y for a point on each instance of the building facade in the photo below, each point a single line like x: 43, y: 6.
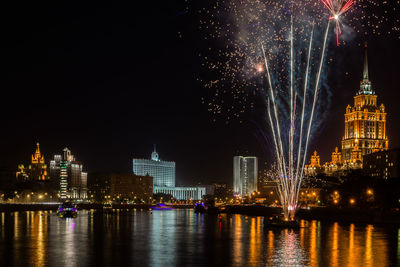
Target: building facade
x: 245, y: 173
x: 36, y: 170
x: 68, y: 173
x: 163, y: 173
x: 383, y: 164
x: 99, y: 186
x: 131, y: 187
x: 183, y: 193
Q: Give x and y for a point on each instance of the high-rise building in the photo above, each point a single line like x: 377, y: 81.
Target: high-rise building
x: 365, y: 130
x: 36, y: 170
x: 163, y: 172
x: 68, y: 173
x: 245, y: 171
x: 365, y: 122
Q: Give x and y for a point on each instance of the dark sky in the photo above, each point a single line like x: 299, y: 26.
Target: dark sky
x: 109, y: 81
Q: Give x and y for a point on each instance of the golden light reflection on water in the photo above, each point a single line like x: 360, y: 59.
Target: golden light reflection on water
x: 237, y: 239
x: 335, y: 243
x: 379, y: 249
x: 317, y: 244
x: 270, y: 243
x: 368, y: 246
x: 39, y: 235
x: 2, y: 224
x: 255, y: 240
x: 351, y: 250
x: 16, y: 228
x: 313, y: 244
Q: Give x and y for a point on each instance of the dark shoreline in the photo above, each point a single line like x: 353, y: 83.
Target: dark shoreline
x: 35, y: 207
x: 348, y: 215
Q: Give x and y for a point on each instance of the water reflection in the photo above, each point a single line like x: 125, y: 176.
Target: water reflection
x: 335, y: 244
x: 313, y: 243
x: 182, y: 238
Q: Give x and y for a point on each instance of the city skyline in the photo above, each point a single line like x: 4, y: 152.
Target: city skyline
x: 200, y: 133
x: 151, y: 92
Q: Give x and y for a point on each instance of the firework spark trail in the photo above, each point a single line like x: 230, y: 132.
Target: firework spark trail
x: 304, y: 101
x: 316, y: 89
x: 290, y: 180
x: 282, y: 186
x: 275, y: 112
x: 291, y: 101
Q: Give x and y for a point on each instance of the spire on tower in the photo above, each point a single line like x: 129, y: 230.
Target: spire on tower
x: 154, y: 155
x: 365, y: 86
x: 365, y: 73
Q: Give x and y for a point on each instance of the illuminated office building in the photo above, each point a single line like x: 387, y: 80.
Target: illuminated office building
x: 68, y: 173
x: 163, y: 173
x: 245, y: 170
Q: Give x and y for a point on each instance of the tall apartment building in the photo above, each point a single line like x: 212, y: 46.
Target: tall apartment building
x: 245, y: 171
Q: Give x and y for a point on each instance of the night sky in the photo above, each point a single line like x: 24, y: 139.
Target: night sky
x: 109, y: 81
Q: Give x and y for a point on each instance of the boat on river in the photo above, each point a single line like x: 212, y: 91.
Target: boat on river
x: 161, y: 206
x: 67, y: 210
x: 280, y: 222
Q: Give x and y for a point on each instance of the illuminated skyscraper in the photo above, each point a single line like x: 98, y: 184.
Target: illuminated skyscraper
x: 68, y: 172
x: 365, y: 123
x: 245, y: 170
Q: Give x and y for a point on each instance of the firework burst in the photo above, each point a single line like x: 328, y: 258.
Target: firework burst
x: 337, y: 8
x: 274, y: 52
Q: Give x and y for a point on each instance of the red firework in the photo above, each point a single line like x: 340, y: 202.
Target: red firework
x: 337, y: 8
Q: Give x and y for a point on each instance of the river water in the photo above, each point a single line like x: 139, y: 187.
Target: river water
x: 182, y: 238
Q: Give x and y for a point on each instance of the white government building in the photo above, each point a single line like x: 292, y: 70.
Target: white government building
x: 163, y: 173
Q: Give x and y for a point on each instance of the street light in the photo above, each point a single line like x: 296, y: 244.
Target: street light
x: 370, y: 192
x: 352, y: 201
